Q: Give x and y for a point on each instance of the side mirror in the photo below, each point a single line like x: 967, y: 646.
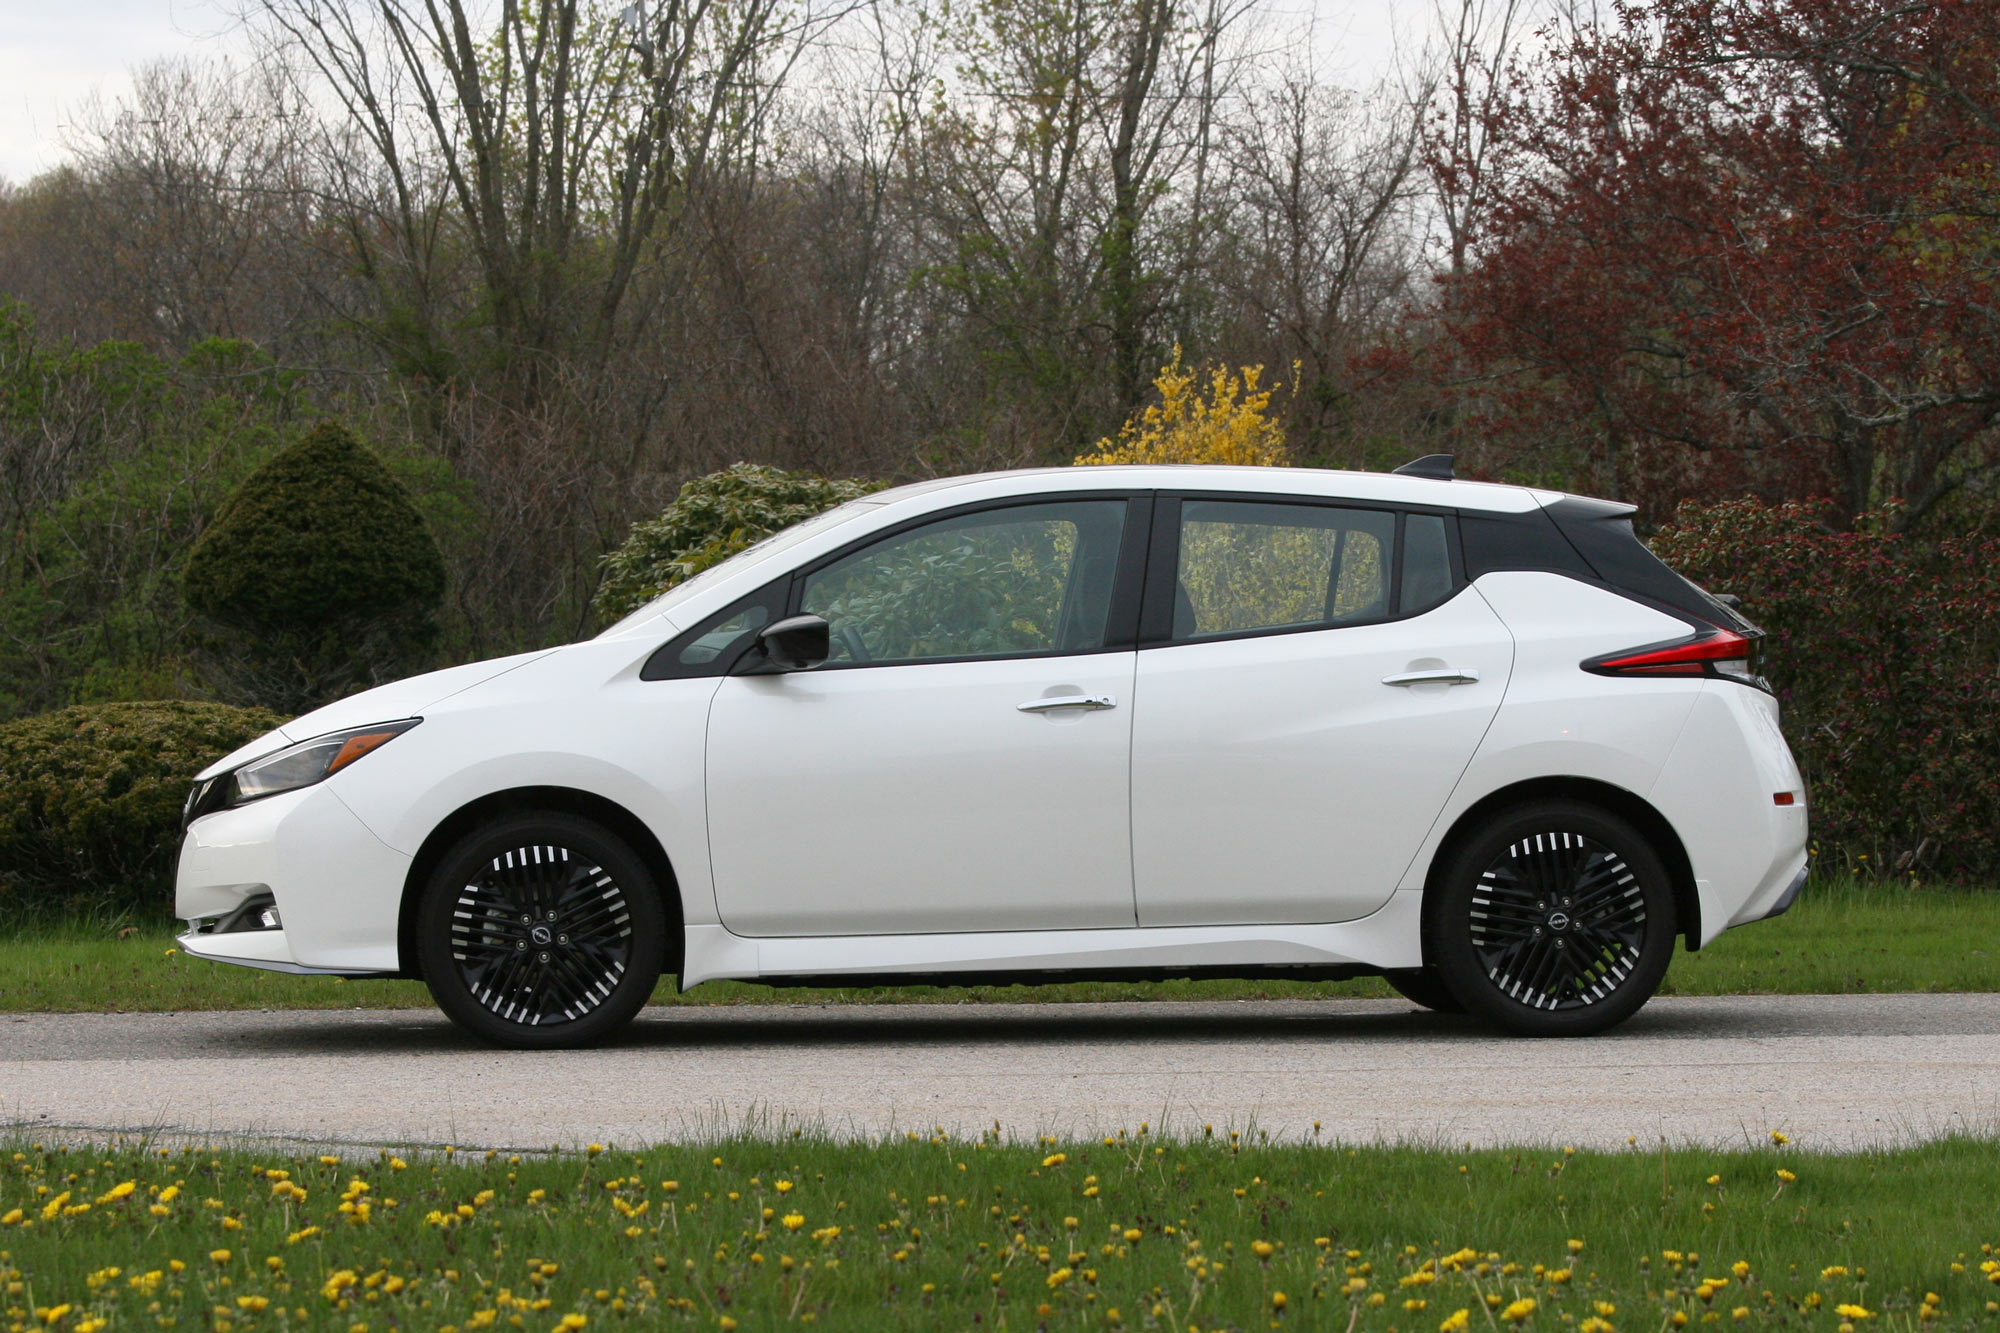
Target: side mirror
x: 797, y: 643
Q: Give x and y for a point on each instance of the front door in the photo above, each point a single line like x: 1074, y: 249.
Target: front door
x: 961, y: 763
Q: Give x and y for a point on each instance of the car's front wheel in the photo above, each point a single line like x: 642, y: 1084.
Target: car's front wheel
x: 541, y: 930
x: 1555, y: 919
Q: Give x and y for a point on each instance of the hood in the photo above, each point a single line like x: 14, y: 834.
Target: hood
x: 384, y: 703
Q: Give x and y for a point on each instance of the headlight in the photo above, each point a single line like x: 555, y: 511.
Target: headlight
x: 291, y: 768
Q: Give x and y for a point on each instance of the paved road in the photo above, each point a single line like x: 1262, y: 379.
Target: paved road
x: 1830, y: 1071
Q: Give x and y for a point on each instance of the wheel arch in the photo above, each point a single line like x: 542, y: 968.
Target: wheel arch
x: 518, y: 800
x: 1632, y: 808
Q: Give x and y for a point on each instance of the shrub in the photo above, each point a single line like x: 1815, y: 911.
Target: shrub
x: 1882, y: 649
x: 90, y: 800
x: 318, y: 575
x: 713, y: 518
x: 1231, y: 425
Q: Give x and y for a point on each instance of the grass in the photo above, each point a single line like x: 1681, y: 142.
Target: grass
x: 1844, y: 937
x: 1134, y: 1232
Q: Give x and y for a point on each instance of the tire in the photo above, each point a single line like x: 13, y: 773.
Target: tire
x: 493, y: 942
x: 1423, y: 987
x: 1554, y: 919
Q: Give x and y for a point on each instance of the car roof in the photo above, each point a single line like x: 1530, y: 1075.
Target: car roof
x: 1379, y: 487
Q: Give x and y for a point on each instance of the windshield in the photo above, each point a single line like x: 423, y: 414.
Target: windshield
x: 778, y: 541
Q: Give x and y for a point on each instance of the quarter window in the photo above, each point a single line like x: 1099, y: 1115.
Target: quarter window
x: 1002, y: 582
x: 1248, y: 565
x: 1426, y: 564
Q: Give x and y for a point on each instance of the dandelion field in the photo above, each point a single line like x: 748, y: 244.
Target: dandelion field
x: 1134, y: 1232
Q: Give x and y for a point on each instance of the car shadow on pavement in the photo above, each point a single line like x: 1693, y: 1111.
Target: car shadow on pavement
x: 958, y: 1026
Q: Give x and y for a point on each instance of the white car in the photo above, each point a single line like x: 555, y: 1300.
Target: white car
x: 1127, y: 722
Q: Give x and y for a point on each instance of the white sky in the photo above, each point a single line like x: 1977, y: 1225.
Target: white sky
x: 55, y: 55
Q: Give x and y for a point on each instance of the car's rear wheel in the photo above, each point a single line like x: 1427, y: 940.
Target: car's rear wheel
x: 1424, y: 987
x: 1555, y: 919
x: 541, y: 930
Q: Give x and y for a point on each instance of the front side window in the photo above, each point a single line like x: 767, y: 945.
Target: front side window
x: 1026, y: 579
x: 1247, y: 566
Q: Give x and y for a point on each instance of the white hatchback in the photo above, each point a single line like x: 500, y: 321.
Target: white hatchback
x: 1132, y: 722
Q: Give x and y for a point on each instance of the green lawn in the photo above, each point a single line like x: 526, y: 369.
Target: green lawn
x: 928, y: 1232
x: 1840, y: 938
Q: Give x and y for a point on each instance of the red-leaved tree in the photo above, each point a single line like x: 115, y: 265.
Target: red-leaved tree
x: 1746, y: 244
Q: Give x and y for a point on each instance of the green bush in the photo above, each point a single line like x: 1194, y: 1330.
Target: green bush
x: 90, y: 801
x: 712, y: 519
x: 318, y: 576
x: 1881, y: 648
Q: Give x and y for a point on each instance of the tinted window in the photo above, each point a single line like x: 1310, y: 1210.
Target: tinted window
x: 1249, y: 565
x: 1001, y: 582
x: 1426, y: 563
x: 712, y: 647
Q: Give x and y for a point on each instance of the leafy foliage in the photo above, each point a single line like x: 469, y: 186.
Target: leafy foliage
x: 319, y: 574
x: 713, y: 518
x: 115, y: 458
x: 90, y: 800
x: 1232, y: 424
x: 1746, y: 243
x: 1881, y: 648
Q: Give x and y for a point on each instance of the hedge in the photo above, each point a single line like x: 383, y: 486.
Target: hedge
x: 90, y: 801
x: 1884, y: 650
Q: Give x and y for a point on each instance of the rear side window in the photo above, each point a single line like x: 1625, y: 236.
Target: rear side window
x: 1246, y: 566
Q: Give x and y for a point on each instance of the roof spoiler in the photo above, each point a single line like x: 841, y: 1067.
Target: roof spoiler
x: 1437, y: 467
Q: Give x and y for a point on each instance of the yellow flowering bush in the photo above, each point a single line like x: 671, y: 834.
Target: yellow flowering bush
x: 1230, y: 424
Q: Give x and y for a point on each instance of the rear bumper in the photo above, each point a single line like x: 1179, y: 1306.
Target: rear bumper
x: 1717, y: 789
x: 1790, y: 895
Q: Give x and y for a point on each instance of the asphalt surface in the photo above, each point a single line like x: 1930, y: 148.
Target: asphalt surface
x: 1831, y: 1072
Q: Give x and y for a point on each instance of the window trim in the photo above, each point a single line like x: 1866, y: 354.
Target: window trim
x: 1127, y: 575
x: 1156, y: 621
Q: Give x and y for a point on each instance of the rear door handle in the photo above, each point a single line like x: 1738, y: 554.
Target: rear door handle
x: 1069, y: 701
x: 1434, y: 676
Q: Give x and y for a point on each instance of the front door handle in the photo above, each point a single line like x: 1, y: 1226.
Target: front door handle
x: 1435, y: 676
x: 1069, y: 701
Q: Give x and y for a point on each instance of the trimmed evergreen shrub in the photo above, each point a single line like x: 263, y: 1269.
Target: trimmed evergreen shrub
x: 317, y: 576
x: 1882, y: 649
x: 713, y: 518
x: 90, y: 801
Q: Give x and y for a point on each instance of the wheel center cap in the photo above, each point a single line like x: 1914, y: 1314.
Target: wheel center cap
x: 1558, y: 920
x: 541, y: 935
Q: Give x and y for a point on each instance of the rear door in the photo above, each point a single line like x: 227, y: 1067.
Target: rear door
x: 1313, y: 678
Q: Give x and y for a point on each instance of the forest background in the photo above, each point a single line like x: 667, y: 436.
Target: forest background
x: 1734, y: 261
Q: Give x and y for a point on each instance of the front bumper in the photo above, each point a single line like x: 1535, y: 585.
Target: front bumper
x: 267, y: 949
x: 337, y: 888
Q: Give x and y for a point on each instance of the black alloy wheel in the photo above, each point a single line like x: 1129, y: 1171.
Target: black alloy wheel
x: 541, y: 930
x: 1556, y: 919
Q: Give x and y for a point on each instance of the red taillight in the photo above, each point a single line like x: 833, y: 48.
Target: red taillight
x: 1720, y: 652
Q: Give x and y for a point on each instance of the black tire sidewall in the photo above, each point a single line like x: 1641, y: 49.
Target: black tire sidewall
x: 1423, y: 987
x: 1448, y: 949
x: 469, y: 856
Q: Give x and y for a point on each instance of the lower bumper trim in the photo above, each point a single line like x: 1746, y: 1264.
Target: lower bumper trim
x: 1791, y: 893
x: 264, y: 949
